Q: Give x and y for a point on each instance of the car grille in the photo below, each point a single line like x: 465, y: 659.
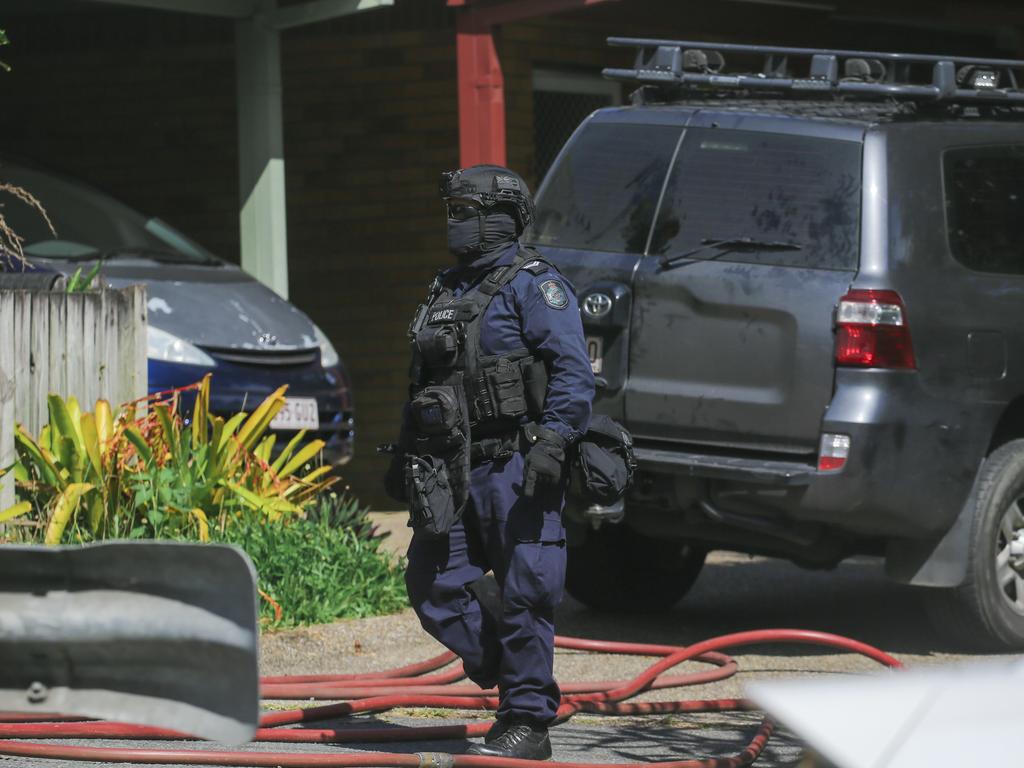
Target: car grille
x: 266, y: 357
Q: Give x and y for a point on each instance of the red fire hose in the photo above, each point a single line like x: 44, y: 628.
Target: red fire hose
x: 414, y: 686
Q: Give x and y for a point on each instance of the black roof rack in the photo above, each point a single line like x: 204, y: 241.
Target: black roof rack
x: 683, y: 66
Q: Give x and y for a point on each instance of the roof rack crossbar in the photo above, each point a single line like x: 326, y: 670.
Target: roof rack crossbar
x: 700, y: 66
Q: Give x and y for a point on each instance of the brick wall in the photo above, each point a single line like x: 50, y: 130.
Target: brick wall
x: 371, y: 120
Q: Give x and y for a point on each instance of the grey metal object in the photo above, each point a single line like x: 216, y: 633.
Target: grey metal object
x: 1009, y: 559
x: 684, y: 63
x: 725, y: 371
x: 151, y: 633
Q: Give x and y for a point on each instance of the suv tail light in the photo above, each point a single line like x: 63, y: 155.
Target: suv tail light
x: 872, y: 331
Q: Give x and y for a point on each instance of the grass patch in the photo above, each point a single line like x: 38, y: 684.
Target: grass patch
x: 318, y: 573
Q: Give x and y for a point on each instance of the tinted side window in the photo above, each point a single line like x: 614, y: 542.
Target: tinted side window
x: 601, y: 196
x: 985, y: 207
x: 771, y: 187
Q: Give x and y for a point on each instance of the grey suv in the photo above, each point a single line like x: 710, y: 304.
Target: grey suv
x: 803, y: 289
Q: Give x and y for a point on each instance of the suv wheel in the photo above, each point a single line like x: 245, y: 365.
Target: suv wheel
x: 987, y: 610
x: 618, y: 569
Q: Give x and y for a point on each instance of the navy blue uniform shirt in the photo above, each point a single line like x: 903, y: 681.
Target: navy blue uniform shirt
x: 540, y: 313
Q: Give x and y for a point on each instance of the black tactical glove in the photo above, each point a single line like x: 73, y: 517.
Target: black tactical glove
x: 545, y: 458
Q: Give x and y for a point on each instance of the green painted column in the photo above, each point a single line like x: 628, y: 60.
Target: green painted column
x: 261, y: 149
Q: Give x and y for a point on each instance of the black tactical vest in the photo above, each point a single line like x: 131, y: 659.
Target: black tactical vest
x: 465, y: 406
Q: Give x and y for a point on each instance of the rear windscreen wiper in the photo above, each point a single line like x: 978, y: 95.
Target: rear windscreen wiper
x: 728, y: 245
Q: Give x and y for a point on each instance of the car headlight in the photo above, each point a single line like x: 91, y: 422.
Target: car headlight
x: 328, y: 354
x: 161, y: 345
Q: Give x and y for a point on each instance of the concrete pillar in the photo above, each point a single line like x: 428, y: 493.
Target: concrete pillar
x: 261, y: 149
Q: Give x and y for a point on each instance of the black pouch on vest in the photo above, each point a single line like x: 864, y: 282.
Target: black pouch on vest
x: 603, y: 463
x: 432, y: 510
x: 436, y: 412
x: 505, y: 383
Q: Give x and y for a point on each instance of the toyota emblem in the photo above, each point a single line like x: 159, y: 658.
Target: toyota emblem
x: 267, y: 340
x: 597, y: 304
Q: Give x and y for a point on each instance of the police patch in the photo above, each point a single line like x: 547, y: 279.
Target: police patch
x: 554, y: 294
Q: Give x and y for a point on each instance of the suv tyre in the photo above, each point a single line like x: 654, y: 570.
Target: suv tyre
x: 618, y: 569
x: 987, y: 610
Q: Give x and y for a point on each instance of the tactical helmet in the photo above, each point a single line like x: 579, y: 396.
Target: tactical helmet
x: 488, y: 186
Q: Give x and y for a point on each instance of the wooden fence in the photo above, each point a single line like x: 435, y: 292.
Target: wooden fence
x: 91, y: 345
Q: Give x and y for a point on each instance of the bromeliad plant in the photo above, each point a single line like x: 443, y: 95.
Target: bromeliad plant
x: 103, y: 475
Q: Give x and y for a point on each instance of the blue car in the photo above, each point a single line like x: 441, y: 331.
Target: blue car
x: 205, y: 314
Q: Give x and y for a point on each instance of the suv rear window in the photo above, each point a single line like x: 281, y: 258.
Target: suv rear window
x: 985, y: 207
x: 768, y: 187
x: 601, y: 196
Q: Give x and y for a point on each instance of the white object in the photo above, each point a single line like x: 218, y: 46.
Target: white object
x: 297, y: 413
x: 963, y: 715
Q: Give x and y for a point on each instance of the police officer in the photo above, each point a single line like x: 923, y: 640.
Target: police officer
x: 501, y: 334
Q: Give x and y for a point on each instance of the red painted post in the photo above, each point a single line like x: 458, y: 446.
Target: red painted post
x: 481, y: 83
x: 481, y: 92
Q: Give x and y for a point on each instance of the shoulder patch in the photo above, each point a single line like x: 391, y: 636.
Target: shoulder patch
x: 554, y: 294
x: 536, y: 267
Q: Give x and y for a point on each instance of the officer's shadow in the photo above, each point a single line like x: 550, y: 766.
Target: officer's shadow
x: 735, y: 593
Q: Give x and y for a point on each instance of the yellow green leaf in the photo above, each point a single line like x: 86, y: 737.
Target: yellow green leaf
x: 41, y: 458
x: 61, y: 421
x: 260, y: 419
x: 96, y: 509
x: 136, y: 439
x: 104, y: 424
x: 17, y: 510
x: 91, y: 438
x: 229, y: 428
x: 287, y: 452
x: 200, y: 413
x: 302, y: 457
x: 204, y: 524
x: 63, y: 510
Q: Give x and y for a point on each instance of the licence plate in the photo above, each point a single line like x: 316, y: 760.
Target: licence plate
x: 297, y: 413
x: 595, y: 351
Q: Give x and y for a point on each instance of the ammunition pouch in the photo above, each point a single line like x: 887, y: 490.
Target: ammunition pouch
x: 506, y: 389
x: 437, y: 460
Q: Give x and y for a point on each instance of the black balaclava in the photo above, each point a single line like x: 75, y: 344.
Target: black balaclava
x: 472, y: 238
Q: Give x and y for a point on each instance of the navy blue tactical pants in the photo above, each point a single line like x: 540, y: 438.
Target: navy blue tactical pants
x: 523, y: 542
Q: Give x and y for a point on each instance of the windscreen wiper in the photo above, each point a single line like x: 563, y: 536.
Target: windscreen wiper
x: 726, y: 245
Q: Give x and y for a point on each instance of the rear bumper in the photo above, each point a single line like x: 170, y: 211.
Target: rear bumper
x: 912, y: 462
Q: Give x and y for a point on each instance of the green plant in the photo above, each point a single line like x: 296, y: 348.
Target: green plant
x: 79, y: 284
x: 104, y: 475
x: 343, y: 511
x: 4, y: 41
x: 312, y: 573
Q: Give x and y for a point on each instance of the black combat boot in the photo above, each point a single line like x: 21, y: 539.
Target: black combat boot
x: 498, y: 727
x: 522, y: 741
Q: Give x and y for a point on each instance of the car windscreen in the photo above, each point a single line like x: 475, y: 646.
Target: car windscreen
x: 602, y: 193
x: 88, y: 224
x: 778, y: 189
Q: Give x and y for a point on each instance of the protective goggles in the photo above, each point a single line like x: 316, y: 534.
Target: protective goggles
x: 462, y: 210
